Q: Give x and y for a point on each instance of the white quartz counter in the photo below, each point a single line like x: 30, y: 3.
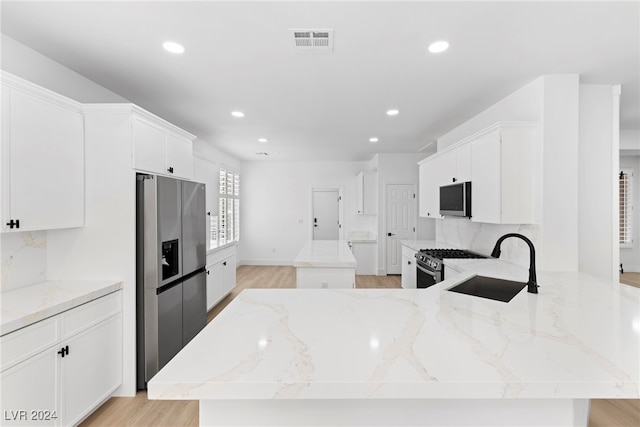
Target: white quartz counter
x: 578, y: 338
x: 362, y: 237
x: 23, y: 306
x: 325, y: 253
x: 416, y: 245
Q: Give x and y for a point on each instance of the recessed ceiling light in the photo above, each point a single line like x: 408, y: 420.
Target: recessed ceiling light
x: 374, y: 139
x: 237, y: 114
x: 173, y: 47
x: 262, y: 140
x: 439, y: 46
x: 393, y: 112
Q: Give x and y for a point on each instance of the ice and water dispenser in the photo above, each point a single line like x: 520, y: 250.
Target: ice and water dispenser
x: 170, y: 257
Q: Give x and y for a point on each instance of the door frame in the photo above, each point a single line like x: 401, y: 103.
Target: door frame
x: 383, y: 251
x: 340, y: 191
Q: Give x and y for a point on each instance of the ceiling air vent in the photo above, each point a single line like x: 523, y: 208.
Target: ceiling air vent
x: 312, y: 41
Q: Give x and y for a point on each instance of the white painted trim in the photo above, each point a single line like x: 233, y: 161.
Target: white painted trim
x: 615, y: 184
x: 17, y: 83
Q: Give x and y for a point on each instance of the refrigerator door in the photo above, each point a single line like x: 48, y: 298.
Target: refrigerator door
x: 194, y: 306
x: 169, y: 206
x: 194, y: 227
x: 169, y: 332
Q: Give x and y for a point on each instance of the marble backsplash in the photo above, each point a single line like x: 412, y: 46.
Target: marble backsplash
x: 481, y: 237
x: 23, y: 259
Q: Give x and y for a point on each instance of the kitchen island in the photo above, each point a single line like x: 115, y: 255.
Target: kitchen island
x: 325, y: 264
x: 413, y: 357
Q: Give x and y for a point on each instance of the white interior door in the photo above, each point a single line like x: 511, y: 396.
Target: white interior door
x: 325, y: 214
x: 400, y: 224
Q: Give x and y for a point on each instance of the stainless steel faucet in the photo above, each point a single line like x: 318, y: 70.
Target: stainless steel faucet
x: 532, y: 285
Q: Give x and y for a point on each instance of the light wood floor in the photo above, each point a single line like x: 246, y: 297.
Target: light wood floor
x: 632, y: 279
x: 138, y: 411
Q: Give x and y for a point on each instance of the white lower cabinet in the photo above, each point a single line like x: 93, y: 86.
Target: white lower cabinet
x: 221, y: 275
x: 57, y: 371
x: 325, y: 277
x: 409, y: 275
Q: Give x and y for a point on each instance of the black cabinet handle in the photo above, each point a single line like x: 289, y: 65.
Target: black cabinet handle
x: 224, y: 263
x: 13, y: 223
x: 170, y: 169
x: 408, y: 262
x: 454, y: 180
x: 390, y: 234
x: 209, y: 213
x: 207, y: 272
x: 64, y: 351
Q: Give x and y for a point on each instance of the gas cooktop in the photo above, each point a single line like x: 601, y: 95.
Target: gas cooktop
x: 450, y: 253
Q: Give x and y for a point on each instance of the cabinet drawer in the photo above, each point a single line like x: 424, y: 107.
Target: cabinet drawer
x: 26, y: 342
x: 89, y: 314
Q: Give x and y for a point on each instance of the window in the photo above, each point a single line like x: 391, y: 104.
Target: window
x: 626, y: 207
x: 225, y: 227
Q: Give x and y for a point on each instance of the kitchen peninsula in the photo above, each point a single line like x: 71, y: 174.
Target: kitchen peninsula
x: 325, y: 264
x: 413, y: 357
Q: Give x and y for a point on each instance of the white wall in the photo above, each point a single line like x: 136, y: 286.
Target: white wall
x: 525, y: 104
x: 31, y: 65
x: 630, y: 140
x: 276, y: 206
x: 596, y: 177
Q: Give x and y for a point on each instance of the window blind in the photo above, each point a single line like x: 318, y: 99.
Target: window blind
x: 626, y: 207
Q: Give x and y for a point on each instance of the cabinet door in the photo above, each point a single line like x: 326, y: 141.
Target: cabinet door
x: 149, y: 153
x: 215, y: 278
x: 179, y: 157
x: 92, y: 369
x: 43, y: 164
x: 408, y: 273
x: 360, y: 193
x: 229, y: 272
x: 428, y: 191
x: 446, y: 166
x: 463, y: 163
x: 32, y: 386
x: 486, y: 200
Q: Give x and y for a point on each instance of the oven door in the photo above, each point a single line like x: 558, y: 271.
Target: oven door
x: 426, y: 277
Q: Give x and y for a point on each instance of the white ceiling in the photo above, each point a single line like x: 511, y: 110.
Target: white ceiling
x: 240, y: 56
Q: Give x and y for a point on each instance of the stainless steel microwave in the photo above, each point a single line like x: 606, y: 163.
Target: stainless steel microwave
x: 455, y: 199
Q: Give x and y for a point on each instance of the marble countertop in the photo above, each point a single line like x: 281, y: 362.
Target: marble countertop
x: 578, y: 338
x: 325, y: 253
x: 416, y: 245
x: 29, y: 304
x: 362, y: 237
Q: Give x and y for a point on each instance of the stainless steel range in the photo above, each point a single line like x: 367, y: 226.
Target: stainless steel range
x: 430, y: 266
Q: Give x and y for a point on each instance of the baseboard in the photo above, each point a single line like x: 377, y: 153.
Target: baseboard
x: 271, y: 262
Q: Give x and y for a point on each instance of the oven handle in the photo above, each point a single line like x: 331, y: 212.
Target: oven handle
x: 430, y: 273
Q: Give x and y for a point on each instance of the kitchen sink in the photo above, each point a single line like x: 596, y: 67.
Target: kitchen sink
x: 489, y: 287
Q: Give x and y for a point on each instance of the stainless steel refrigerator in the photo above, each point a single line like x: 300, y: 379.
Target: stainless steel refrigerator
x: 170, y: 269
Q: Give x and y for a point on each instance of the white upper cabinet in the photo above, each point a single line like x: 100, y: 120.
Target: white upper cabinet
x: 503, y: 175
x: 161, y: 148
x: 42, y: 158
x: 454, y: 164
x: 428, y: 197
x: 500, y: 162
x: 366, y: 190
